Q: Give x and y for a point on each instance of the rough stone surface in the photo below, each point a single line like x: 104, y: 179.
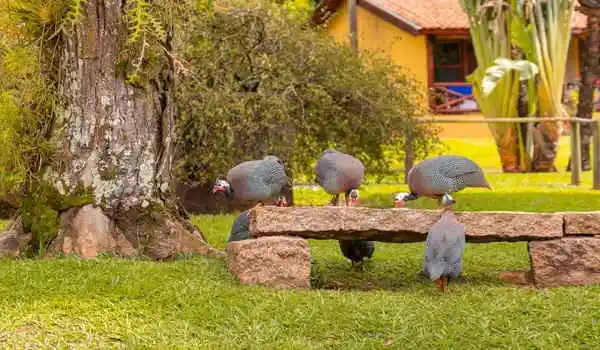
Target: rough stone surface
x: 9, y: 243
x: 582, y: 223
x: 511, y: 226
x: 400, y: 225
x: 169, y: 237
x: 567, y: 261
x: 89, y: 233
x: 280, y: 262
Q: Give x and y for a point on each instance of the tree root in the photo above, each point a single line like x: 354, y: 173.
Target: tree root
x: 88, y: 231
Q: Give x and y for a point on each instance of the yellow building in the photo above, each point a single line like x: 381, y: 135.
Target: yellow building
x: 431, y: 38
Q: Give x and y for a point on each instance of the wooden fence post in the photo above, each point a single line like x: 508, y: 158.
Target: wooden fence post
x: 596, y: 151
x: 529, y: 140
x: 353, y: 24
x: 409, y: 156
x: 575, y: 153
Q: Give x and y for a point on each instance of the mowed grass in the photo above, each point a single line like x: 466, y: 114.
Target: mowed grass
x: 196, y: 303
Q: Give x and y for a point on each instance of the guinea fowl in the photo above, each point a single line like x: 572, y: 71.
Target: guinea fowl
x: 444, y: 250
x: 356, y: 250
x: 240, y: 230
x: 439, y: 176
x: 254, y: 180
x: 337, y: 173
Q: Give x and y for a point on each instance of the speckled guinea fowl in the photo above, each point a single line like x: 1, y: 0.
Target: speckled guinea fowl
x: 338, y: 172
x: 254, y: 180
x: 240, y: 230
x: 444, y: 250
x: 440, y: 176
x: 357, y: 250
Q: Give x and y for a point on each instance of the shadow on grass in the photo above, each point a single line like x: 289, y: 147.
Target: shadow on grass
x: 398, y: 267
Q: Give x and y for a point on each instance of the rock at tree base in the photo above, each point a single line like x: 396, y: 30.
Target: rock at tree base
x: 88, y: 232
x: 567, y: 261
x: 9, y: 243
x: 280, y: 262
x: 13, y: 240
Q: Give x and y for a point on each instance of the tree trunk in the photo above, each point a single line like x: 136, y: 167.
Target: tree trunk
x: 590, y: 70
x: 116, y: 140
x: 546, y: 136
x: 507, y: 137
x: 507, y: 143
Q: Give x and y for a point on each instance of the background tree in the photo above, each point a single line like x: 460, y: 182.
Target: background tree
x: 541, y: 30
x: 589, y: 74
x: 109, y: 123
x: 90, y: 119
x: 260, y: 81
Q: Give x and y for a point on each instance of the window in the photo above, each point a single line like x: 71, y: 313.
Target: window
x: 453, y: 60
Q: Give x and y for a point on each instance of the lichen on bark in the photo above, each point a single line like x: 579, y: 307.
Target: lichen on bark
x: 114, y: 142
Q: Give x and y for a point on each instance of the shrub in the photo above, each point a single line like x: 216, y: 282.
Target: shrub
x: 258, y: 81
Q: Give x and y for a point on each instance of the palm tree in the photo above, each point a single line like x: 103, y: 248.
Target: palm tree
x: 591, y: 66
x: 540, y: 32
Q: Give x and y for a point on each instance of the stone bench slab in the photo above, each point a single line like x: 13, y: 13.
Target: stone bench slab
x: 400, y: 225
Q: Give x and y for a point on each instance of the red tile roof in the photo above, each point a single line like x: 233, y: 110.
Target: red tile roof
x: 439, y: 14
x: 429, y: 15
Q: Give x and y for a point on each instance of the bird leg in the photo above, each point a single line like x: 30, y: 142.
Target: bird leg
x: 441, y: 284
x: 358, y: 265
x: 335, y: 200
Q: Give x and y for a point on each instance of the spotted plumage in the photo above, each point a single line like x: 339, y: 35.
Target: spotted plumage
x: 444, y: 249
x: 442, y: 175
x: 255, y: 180
x: 338, y: 172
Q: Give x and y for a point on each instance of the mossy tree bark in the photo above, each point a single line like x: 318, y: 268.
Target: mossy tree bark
x: 117, y: 141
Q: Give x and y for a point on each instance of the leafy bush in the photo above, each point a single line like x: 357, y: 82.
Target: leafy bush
x: 257, y: 81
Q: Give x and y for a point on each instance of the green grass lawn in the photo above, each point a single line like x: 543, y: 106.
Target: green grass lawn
x: 195, y: 302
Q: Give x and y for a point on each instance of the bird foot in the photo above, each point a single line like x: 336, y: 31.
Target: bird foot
x: 358, y: 266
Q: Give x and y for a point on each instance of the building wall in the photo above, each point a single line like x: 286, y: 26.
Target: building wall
x: 410, y: 51
x: 377, y: 35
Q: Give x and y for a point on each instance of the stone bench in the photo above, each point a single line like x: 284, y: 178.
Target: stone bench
x: 564, y: 248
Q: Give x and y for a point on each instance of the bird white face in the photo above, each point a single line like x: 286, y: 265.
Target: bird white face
x: 399, y: 199
x: 281, y: 202
x: 354, y: 196
x: 221, y: 186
